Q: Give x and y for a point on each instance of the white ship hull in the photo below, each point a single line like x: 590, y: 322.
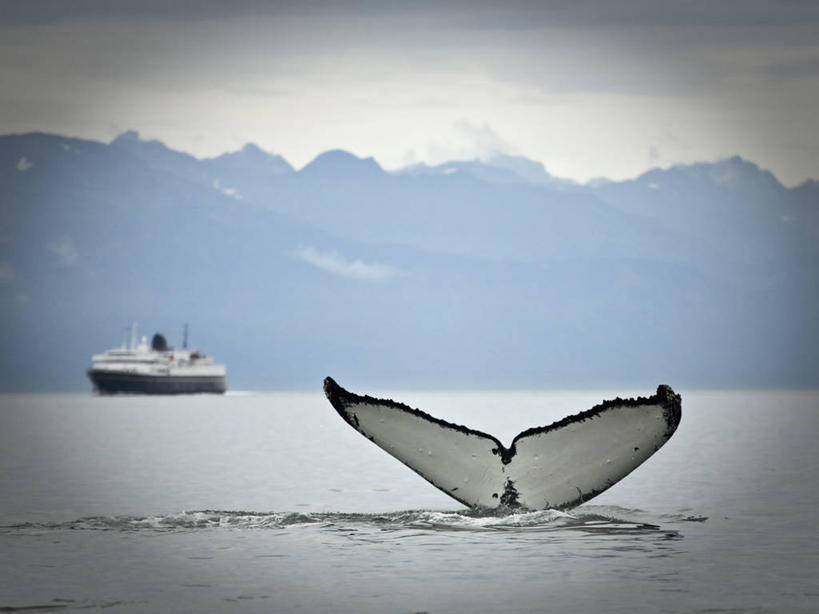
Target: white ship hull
x: 157, y: 369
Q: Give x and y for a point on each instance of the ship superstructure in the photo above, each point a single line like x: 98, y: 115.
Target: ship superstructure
x: 155, y: 369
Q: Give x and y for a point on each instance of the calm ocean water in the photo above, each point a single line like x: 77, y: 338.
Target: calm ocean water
x: 269, y: 502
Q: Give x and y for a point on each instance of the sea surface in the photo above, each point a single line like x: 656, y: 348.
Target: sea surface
x: 269, y: 502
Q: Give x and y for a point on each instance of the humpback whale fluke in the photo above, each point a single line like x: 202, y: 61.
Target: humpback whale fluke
x: 557, y: 466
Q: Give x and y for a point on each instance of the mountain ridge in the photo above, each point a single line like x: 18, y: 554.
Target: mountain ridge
x: 535, y: 170
x: 705, y: 278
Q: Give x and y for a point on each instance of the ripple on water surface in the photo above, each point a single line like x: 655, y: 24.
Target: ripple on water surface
x: 591, y: 519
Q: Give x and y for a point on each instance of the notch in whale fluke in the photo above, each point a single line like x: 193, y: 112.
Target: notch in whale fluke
x: 558, y: 466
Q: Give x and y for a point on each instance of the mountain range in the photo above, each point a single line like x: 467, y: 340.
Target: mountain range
x: 468, y: 274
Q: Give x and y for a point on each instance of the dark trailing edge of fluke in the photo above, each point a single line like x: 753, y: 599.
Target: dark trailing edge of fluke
x: 671, y: 402
x: 340, y: 399
x: 659, y: 424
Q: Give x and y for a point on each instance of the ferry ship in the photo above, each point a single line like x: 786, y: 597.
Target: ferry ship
x: 155, y: 369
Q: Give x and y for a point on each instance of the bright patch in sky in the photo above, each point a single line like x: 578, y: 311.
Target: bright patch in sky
x: 64, y: 249
x: 23, y: 164
x: 335, y: 263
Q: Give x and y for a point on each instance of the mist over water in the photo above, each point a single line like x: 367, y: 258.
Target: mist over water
x: 269, y: 502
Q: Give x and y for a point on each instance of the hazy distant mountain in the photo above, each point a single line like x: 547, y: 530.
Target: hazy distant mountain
x: 808, y: 192
x: 500, y: 168
x: 339, y: 165
x: 467, y: 274
x: 248, y: 169
x: 156, y: 155
x: 472, y: 168
x: 531, y: 171
x: 250, y: 159
x: 806, y: 196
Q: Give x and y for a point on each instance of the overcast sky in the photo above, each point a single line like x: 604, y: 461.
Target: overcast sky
x: 591, y: 89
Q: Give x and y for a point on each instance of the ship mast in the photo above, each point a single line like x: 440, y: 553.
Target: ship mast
x: 185, y: 338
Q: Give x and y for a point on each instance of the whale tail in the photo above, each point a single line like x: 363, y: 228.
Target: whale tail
x: 558, y: 466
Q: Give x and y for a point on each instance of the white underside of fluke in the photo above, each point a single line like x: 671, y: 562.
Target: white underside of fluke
x: 557, y: 466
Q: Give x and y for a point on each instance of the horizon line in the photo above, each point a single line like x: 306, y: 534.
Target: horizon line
x: 484, y: 160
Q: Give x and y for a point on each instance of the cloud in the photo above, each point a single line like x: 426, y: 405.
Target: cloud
x: 64, y: 250
x: 335, y: 263
x: 521, y: 14
x: 585, y: 87
x: 467, y: 140
x: 482, y: 138
x: 231, y: 192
